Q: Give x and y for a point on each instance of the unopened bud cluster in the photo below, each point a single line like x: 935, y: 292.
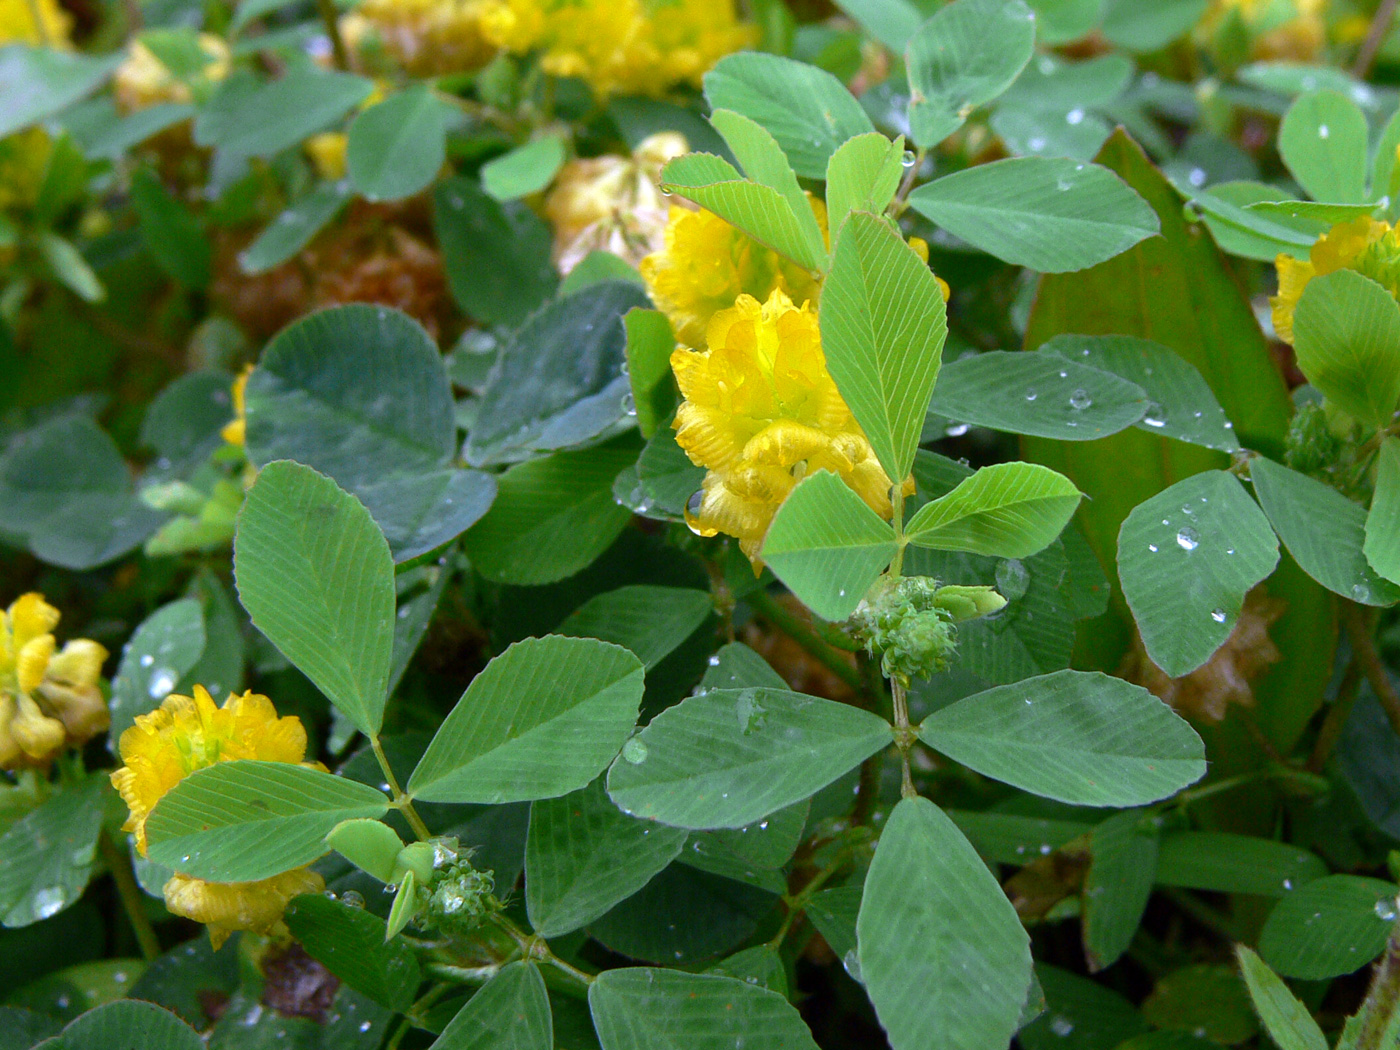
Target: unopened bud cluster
x: 910, y: 623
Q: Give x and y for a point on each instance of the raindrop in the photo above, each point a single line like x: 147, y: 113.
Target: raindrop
x: 634, y: 751
x: 1074, y: 116
x: 1188, y: 539
x: 714, y: 660
x: 1012, y: 578
x: 1152, y: 547
x: 1061, y: 1026
x: 147, y: 659
x: 909, y: 158
x: 1030, y: 395
x: 1360, y: 592
x: 1218, y: 615
x: 1045, y: 849
x: 1288, y: 884
x: 48, y: 901
x: 1079, y: 399
x: 1385, y: 909
x: 1156, y: 415
x: 629, y: 404
x: 1036, y: 144
x: 365, y: 1026
x: 162, y: 681
x: 1324, y: 131
x: 851, y: 961
x: 956, y: 430
x: 1196, y: 177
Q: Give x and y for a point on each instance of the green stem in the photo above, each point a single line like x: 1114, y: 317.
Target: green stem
x: 797, y: 902
x: 1377, y: 1015
x: 1337, y: 716
x: 1375, y: 36
x: 133, y: 902
x: 897, y: 519
x: 401, y: 802
x: 536, y: 948
x: 331, y: 21
x: 903, y: 736
x: 1357, y: 622
x: 800, y: 632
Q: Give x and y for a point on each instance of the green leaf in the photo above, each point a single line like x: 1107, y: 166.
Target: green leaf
x: 124, y: 1024
x: 67, y: 264
x: 1186, y: 558
x: 729, y: 757
x: 967, y: 54
x: 863, y: 175
x: 560, y: 380
x: 650, y: 621
x: 295, y: 227
x: 760, y: 211
x: 1382, y: 546
x: 1010, y: 838
x: 1047, y: 214
x: 1039, y: 395
x: 497, y: 256
x: 639, y: 1008
x: 827, y: 545
x: 1322, y: 140
x: 807, y: 110
x: 598, y: 265
x: 66, y: 488
x: 1332, y: 926
x: 110, y: 137
x: 170, y: 232
x: 583, y: 855
x: 543, y: 719
x: 269, y: 118
x: 1009, y: 510
x: 1180, y: 403
x: 243, y: 820
x: 370, y: 845
x: 883, y: 323
x: 47, y: 856
x: 166, y: 646
x: 350, y: 943
x: 1080, y: 1014
x: 552, y: 517
x: 1146, y: 25
x: 649, y: 347
x: 1122, y: 867
x: 1243, y: 231
x: 667, y: 477
x: 510, y: 1013
x: 396, y: 147
x: 524, y: 170
x: 1287, y: 1020
x: 766, y: 845
x: 37, y: 82
x: 1074, y: 736
x: 943, y: 955
x: 892, y: 22
x: 316, y: 577
x: 763, y: 161
x: 1323, y: 530
x: 1347, y: 336
x: 1222, y: 862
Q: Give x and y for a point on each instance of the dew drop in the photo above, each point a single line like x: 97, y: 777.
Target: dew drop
x: 1385, y: 909
x: 1188, y: 539
x: 1062, y: 1026
x: 1218, y: 615
x: 1324, y: 131
x: 1030, y: 395
x: 1288, y: 884
x: 851, y: 962
x: 1152, y: 547
x: 956, y: 430
x: 634, y: 751
x: 1360, y: 592
x: 714, y: 660
x: 162, y: 681
x: 629, y: 404
x: 1079, y: 399
x: 365, y: 1026
x: 1074, y: 117
x: 1196, y: 177
x: 48, y: 901
x: 1156, y: 415
x: 147, y: 659
x: 909, y: 158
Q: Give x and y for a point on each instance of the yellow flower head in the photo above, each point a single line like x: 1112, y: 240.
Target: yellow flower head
x: 707, y: 264
x: 612, y: 203
x: 228, y: 906
x: 17, y: 24
x: 427, y: 37
x: 48, y: 699
x: 24, y: 161
x: 235, y: 431
x: 1369, y: 247
x: 327, y: 154
x: 634, y: 47
x: 1279, y: 30
x: 189, y: 732
x: 761, y: 412
x: 143, y: 80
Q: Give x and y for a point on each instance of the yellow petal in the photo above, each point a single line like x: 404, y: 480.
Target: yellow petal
x: 32, y: 661
x: 228, y: 906
x: 31, y: 616
x: 79, y: 663
x: 39, y: 736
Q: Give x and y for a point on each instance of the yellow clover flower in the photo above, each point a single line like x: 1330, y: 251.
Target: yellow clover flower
x: 634, y: 47
x: 427, y: 37
x: 235, y: 431
x: 48, y: 699
x: 761, y: 412
x: 142, y: 80
x: 706, y: 264
x: 1363, y: 244
x: 187, y: 733
x: 612, y: 203
x: 1279, y: 30
x: 17, y: 25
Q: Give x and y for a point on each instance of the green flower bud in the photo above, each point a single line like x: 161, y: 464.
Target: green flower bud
x: 910, y: 622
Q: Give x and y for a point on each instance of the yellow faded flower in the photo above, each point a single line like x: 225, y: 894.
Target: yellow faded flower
x: 427, y: 37
x: 612, y: 203
x: 327, y: 154
x: 706, y: 264
x: 17, y: 25
x: 48, y: 699
x: 187, y: 733
x: 143, y: 80
x: 634, y: 47
x: 228, y: 906
x: 761, y: 412
x: 235, y: 431
x: 1279, y: 30
x: 1369, y: 247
